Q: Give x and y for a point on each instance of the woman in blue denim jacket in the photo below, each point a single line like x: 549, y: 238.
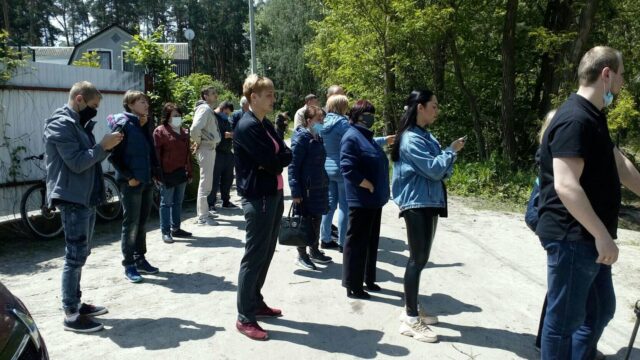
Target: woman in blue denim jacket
x: 420, y: 168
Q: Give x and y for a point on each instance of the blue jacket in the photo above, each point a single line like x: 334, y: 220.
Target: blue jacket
x: 419, y: 173
x: 73, y: 158
x: 135, y: 157
x: 362, y: 158
x: 256, y: 162
x: 307, y: 178
x: 335, y: 126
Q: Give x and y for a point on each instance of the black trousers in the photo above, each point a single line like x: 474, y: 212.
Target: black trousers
x: 421, y: 228
x: 263, y: 217
x: 361, y: 247
x: 222, y: 178
x: 315, y: 240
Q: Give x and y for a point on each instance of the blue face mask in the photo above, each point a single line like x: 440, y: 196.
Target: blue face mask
x: 317, y: 128
x: 607, y: 97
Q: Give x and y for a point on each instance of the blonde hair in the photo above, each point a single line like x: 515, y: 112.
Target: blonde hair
x: 595, y: 60
x: 256, y: 84
x: 131, y: 96
x: 334, y: 90
x: 86, y: 89
x: 545, y: 124
x: 338, y: 104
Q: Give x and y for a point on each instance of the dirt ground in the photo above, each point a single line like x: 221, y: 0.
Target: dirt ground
x: 485, y: 280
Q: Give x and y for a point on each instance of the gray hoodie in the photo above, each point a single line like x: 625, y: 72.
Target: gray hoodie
x: 73, y: 160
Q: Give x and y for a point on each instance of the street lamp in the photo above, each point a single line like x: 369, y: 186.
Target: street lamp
x: 190, y: 35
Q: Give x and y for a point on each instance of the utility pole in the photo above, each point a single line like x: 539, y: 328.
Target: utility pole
x: 252, y: 32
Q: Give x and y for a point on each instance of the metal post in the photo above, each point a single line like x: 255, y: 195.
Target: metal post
x: 252, y: 32
x: 635, y: 330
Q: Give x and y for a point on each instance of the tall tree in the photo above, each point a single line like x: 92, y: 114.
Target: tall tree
x: 509, y: 80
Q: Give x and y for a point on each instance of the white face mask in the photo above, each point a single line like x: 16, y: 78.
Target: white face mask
x: 176, y: 121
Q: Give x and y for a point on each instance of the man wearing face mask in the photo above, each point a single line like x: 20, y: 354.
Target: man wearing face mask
x: 581, y: 171
x: 75, y: 187
x: 223, y: 167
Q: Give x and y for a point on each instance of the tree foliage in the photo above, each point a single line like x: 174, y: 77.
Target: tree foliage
x: 89, y: 59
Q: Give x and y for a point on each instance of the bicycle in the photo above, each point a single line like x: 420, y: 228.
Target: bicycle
x: 42, y: 221
x: 111, y: 208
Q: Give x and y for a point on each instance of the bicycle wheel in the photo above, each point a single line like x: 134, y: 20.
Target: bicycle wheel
x: 111, y: 208
x: 42, y: 222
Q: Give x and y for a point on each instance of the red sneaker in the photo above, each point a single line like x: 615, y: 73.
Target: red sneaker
x: 268, y: 312
x: 252, y: 331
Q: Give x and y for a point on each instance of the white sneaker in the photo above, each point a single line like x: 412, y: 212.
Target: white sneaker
x: 426, y: 318
x: 206, y: 221
x: 415, y: 328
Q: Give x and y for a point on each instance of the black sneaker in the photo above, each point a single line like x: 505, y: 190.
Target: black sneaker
x: 319, y: 257
x: 92, y: 310
x: 144, y: 267
x: 334, y: 232
x: 329, y: 245
x: 306, y: 263
x: 180, y: 233
x: 82, y: 324
x: 229, y: 205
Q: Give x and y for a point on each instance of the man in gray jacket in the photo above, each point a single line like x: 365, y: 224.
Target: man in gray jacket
x: 75, y: 186
x: 206, y: 136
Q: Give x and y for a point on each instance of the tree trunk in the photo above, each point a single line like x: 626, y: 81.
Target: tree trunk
x: 475, y: 113
x: 585, y: 25
x: 439, y: 65
x: 5, y: 12
x: 509, y: 80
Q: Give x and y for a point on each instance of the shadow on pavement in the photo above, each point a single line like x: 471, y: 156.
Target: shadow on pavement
x: 520, y: 344
x: 210, y: 242
x: 154, y: 334
x: 363, y: 344
x: 443, y: 304
x: 196, y: 283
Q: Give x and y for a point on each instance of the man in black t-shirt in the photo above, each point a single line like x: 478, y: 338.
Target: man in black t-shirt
x: 581, y: 171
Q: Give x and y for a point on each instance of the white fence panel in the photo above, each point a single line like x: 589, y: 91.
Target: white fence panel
x: 28, y: 99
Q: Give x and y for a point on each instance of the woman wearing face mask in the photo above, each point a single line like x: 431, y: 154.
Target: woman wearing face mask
x: 365, y: 169
x: 172, y: 146
x: 136, y: 167
x: 420, y: 169
x: 309, y: 182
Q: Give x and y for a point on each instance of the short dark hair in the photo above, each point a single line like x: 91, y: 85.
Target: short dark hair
x: 309, y: 98
x: 226, y: 105
x: 361, y: 106
x: 167, y: 109
x: 595, y: 60
x: 206, y: 90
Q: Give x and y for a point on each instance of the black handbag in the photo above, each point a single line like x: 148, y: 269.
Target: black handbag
x: 174, y: 178
x: 295, y: 229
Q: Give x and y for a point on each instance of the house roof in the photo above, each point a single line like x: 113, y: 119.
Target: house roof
x: 181, y: 50
x: 73, y: 54
x: 63, y: 52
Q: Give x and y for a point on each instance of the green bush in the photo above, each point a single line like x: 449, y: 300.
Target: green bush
x: 493, y: 180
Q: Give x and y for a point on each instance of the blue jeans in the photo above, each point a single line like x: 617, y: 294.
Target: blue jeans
x: 337, y: 199
x: 136, y: 203
x: 170, y: 207
x: 581, y: 300
x: 78, y: 222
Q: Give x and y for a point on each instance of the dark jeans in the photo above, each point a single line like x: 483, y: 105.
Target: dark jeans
x: 580, y: 300
x: 78, y: 222
x: 361, y: 247
x: 262, y: 218
x: 314, y: 241
x: 421, y: 228
x: 171, y: 207
x: 222, y: 178
x: 136, y: 203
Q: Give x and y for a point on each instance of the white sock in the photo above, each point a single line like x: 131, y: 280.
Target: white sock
x: 72, y: 317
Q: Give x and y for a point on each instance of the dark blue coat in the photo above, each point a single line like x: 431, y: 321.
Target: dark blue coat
x: 362, y: 158
x: 307, y: 177
x: 256, y: 161
x: 135, y: 157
